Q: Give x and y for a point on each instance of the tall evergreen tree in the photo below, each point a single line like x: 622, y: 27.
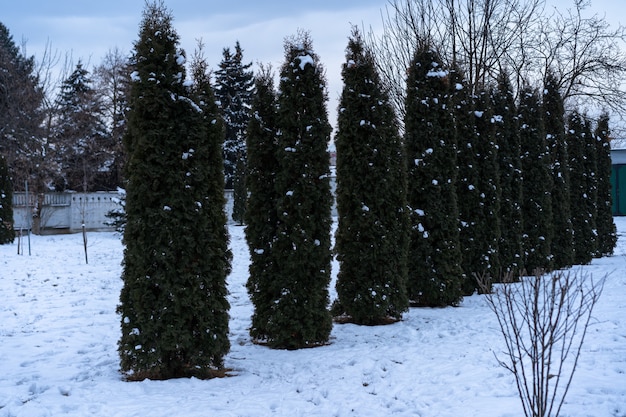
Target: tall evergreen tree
x: 173, y: 302
x: 554, y: 116
x: 510, y: 174
x: 582, y: 201
x: 607, y: 232
x: 234, y: 87
x: 21, y: 116
x: 537, y: 204
x: 477, y: 188
x: 372, y: 235
x: 261, y: 215
x: 299, y: 316
x: 7, y: 233
x: 80, y: 135
x: 435, y: 273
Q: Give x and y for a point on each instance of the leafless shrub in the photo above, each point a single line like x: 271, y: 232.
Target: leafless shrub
x: 544, y: 320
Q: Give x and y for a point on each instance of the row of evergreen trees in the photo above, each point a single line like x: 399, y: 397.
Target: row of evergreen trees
x: 472, y: 188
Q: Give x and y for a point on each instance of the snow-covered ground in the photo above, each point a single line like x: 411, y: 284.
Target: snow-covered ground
x: 59, y: 332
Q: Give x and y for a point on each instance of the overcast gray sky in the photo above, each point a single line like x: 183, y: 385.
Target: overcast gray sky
x: 88, y: 29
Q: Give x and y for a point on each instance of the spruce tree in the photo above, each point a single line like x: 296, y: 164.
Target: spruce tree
x: 299, y: 316
x: 537, y: 181
x: 435, y: 274
x: 372, y: 235
x: 607, y: 232
x: 261, y: 216
x: 510, y: 173
x: 234, y: 87
x: 82, y: 146
x: 7, y: 233
x: 554, y: 114
x: 173, y: 307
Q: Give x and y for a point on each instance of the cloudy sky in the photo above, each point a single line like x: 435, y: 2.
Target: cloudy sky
x: 86, y: 30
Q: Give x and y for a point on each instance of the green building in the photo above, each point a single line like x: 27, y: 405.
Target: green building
x: 618, y: 181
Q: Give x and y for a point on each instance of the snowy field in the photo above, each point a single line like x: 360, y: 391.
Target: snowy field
x: 59, y: 332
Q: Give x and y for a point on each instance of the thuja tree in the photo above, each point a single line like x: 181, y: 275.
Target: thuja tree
x: 372, y: 234
x: 607, y: 233
x: 510, y: 175
x: 583, y: 206
x: 173, y: 307
x: 537, y: 181
x: 435, y: 274
x: 554, y: 118
x: 478, y: 190
x: 261, y: 216
x: 300, y: 317
x: 7, y: 233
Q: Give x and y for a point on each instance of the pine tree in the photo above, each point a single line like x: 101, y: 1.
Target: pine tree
x: 261, y: 215
x: 80, y: 136
x: 435, y: 274
x: 173, y: 302
x: 537, y: 181
x: 554, y: 114
x: 234, y: 87
x: 299, y: 316
x: 7, y: 233
x: 607, y: 232
x: 510, y: 174
x: 372, y: 235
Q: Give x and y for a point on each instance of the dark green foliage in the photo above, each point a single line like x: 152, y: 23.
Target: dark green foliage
x: 7, y: 233
x: 554, y: 114
x: 261, y: 217
x: 510, y: 175
x: 607, y: 232
x: 240, y: 193
x: 582, y: 189
x: 21, y: 116
x: 82, y: 146
x: 299, y: 316
x: 372, y: 235
x: 435, y: 274
x: 173, y: 307
x: 537, y: 205
x: 477, y: 188
x: 234, y: 89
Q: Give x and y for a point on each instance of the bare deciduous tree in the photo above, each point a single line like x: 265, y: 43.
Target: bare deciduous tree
x: 523, y: 37
x: 544, y: 321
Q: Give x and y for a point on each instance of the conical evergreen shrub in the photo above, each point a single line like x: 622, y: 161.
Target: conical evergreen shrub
x: 510, y: 176
x: 261, y: 214
x: 607, y: 232
x: 299, y: 315
x: 173, y: 307
x: 537, y: 204
x: 435, y: 273
x: 372, y: 235
x: 584, y: 192
x: 554, y: 117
